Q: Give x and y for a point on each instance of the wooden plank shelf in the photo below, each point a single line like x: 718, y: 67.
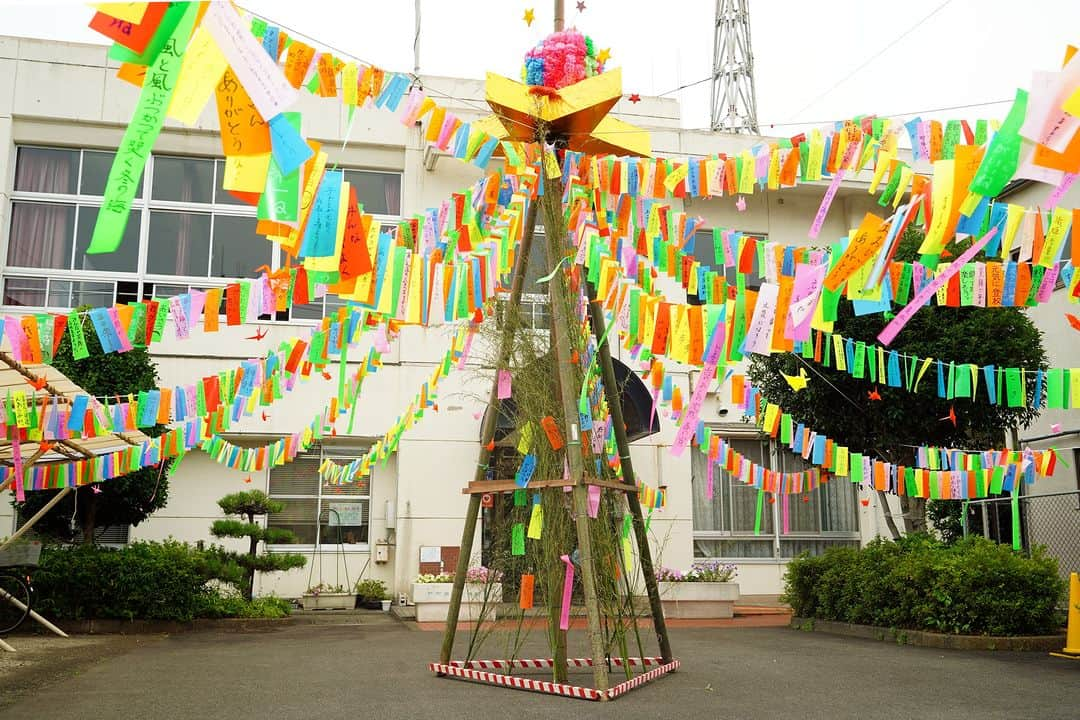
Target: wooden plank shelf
x: 507, y: 486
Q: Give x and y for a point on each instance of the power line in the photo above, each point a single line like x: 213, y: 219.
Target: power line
x: 472, y: 104
x: 875, y: 56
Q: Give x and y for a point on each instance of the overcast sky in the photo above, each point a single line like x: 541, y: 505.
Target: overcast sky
x: 965, y: 52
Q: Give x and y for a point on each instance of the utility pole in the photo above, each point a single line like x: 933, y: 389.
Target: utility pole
x: 734, y: 102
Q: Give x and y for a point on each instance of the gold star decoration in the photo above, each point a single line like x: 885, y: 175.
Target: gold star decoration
x: 603, y: 56
x: 577, y: 112
x: 529, y: 17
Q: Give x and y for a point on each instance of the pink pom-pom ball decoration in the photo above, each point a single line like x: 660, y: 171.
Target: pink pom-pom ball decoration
x: 561, y: 59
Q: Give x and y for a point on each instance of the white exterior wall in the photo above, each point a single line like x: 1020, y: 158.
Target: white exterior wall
x: 1062, y: 345
x: 66, y: 94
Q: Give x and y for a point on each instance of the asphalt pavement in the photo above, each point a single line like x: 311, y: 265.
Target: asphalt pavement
x: 380, y: 671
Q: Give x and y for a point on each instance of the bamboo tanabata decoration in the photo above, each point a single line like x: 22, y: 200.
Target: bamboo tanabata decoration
x: 574, y: 118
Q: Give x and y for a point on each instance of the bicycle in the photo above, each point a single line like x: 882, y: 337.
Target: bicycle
x: 16, y: 590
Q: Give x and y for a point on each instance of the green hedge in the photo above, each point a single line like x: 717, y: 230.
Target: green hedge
x: 973, y: 587
x: 143, y: 580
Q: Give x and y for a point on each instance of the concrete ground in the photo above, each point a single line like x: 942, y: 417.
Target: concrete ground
x: 379, y: 670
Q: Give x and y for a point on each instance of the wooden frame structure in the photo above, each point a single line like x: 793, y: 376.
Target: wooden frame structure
x: 551, y: 203
x: 547, y: 130
x: 48, y: 385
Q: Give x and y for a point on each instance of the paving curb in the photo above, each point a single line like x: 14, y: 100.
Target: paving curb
x: 153, y: 627
x: 922, y: 638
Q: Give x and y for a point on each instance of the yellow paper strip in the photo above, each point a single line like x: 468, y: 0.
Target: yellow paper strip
x: 131, y: 12
x: 246, y: 173
x: 200, y: 70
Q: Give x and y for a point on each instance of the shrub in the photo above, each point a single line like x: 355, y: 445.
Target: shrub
x: 972, y: 587
x: 146, y: 580
x: 143, y: 580
x: 233, y: 605
x: 372, y: 589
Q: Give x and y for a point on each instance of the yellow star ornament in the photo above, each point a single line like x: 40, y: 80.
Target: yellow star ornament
x: 603, y: 56
x: 529, y: 17
x: 577, y: 112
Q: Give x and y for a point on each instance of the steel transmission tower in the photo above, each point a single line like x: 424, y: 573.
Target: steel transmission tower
x: 734, y: 104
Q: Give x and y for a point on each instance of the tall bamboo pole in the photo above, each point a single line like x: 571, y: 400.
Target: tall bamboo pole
x: 487, y: 431
x: 555, y: 229
x: 611, y: 392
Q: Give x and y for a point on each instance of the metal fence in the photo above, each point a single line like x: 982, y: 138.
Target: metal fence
x: 1050, y: 519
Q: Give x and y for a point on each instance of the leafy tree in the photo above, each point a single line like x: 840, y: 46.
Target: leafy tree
x: 125, y: 500
x: 835, y: 403
x: 248, y: 505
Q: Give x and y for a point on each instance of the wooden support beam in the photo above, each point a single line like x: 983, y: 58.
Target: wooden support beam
x: 558, y: 292
x: 33, y: 521
x: 509, y: 486
x: 487, y: 432
x: 611, y: 392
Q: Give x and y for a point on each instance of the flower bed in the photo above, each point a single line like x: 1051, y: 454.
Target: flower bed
x: 481, y: 595
x: 704, y: 591
x: 327, y: 597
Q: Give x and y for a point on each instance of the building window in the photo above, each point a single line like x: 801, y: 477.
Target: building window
x: 185, y: 230
x: 724, y: 525
x: 317, y: 513
x: 708, y: 252
x: 535, y: 305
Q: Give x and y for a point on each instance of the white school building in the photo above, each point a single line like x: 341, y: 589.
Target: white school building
x: 62, y: 115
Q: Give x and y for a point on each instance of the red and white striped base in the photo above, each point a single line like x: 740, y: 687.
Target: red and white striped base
x: 478, y: 671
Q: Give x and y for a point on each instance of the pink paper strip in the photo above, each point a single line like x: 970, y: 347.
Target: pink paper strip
x: 1048, y: 282
x: 180, y: 320
x: 897, y: 324
x: 567, y: 591
x: 15, y: 335
x: 504, y: 390
x: 198, y: 302
x: 804, y: 298
x: 465, y: 350
x: 1060, y: 190
x: 125, y: 342
x: 689, y: 421
x: 725, y: 243
x: 785, y: 513
x: 834, y: 186
x: 594, y: 501
x: 17, y: 462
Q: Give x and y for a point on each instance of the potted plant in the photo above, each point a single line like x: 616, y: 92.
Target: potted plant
x: 328, y: 597
x: 705, y: 591
x: 481, y: 596
x: 373, y: 595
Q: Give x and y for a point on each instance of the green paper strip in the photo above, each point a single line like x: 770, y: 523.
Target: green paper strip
x: 159, y: 319
x: 1016, y: 516
x: 147, y: 120
x: 137, y: 329
x: 547, y: 278
x: 518, y: 541
x: 758, y: 511
x: 78, y: 340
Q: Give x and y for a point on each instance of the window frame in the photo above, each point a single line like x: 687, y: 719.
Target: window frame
x: 146, y: 205
x: 345, y: 451
x: 773, y: 456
